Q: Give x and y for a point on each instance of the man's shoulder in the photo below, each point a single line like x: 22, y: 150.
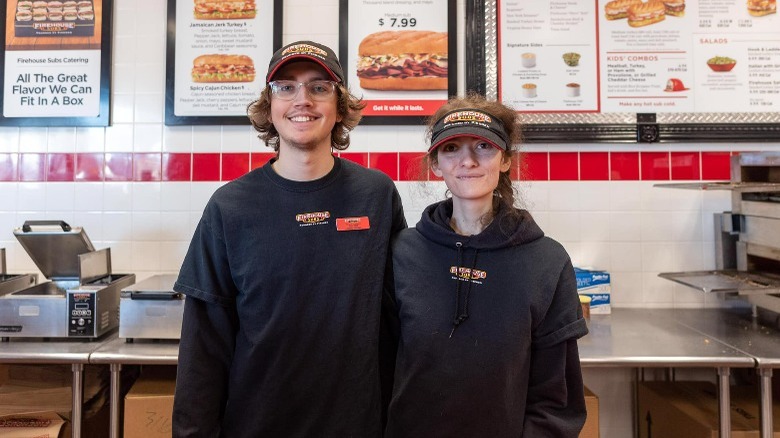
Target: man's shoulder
x: 240, y: 188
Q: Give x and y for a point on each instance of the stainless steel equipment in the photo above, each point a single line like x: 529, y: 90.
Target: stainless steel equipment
x: 151, y: 309
x: 747, y: 238
x: 13, y: 282
x: 82, y: 298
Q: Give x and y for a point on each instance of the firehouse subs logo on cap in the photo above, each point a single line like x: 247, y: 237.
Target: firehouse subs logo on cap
x: 305, y: 48
x: 312, y: 218
x: 306, y: 51
x: 469, y: 123
x: 467, y: 116
x: 464, y: 273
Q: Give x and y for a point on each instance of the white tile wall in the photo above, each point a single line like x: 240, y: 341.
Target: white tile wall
x: 632, y: 229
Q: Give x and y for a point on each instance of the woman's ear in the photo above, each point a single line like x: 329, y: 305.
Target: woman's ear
x: 435, y: 169
x: 506, y: 163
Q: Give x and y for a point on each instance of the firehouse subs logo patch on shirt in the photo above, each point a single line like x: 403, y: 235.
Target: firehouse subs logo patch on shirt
x: 352, y: 223
x: 467, y: 274
x: 314, y: 218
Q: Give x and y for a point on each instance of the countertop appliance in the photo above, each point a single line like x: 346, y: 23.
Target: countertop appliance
x: 13, y: 282
x: 151, y: 309
x: 81, y: 300
x: 747, y: 238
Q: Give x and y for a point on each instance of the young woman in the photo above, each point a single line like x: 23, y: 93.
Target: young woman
x: 486, y: 307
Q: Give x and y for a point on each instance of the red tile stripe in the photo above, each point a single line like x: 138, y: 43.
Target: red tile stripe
x: 400, y: 166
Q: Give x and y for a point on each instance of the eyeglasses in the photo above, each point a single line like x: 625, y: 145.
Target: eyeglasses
x: 317, y: 90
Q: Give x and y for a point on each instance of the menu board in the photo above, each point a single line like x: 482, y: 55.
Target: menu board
x: 399, y: 55
x: 599, y: 56
x: 218, y: 52
x: 56, y: 63
x: 549, y: 56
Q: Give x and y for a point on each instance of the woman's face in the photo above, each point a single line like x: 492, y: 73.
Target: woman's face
x: 470, y: 167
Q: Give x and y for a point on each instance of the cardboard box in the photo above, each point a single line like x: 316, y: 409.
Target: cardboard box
x: 32, y: 425
x: 149, y: 404
x: 591, y: 428
x: 596, y: 285
x: 690, y: 410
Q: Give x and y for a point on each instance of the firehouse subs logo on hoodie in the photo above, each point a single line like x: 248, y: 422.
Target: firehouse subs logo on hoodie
x: 466, y: 274
x: 315, y: 218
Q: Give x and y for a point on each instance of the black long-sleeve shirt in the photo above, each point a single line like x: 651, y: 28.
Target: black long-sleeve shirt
x: 283, y: 282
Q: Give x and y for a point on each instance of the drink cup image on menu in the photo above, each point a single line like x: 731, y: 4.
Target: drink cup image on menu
x: 572, y: 89
x: 528, y: 60
x: 529, y: 90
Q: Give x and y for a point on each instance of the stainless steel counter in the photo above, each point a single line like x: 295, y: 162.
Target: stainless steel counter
x: 140, y: 352
x: 56, y: 351
x: 652, y: 338
x: 116, y: 352
x: 632, y: 338
x: 738, y: 329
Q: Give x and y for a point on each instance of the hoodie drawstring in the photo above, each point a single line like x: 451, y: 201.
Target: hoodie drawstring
x: 462, y: 316
x: 456, y: 320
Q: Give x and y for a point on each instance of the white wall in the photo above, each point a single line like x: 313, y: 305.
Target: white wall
x: 631, y: 229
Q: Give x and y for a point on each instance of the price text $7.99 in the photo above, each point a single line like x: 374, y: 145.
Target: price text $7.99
x: 398, y: 22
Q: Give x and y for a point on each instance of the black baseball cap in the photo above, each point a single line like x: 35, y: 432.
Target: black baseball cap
x: 469, y: 122
x: 308, y: 51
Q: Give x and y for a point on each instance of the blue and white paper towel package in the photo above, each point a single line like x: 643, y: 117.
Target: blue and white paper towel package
x: 595, y: 284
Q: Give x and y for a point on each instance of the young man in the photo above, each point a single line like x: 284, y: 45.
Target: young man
x: 285, y: 271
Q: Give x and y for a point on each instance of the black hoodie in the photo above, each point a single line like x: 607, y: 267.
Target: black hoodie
x: 487, y: 328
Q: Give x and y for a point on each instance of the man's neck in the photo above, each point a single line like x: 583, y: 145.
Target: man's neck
x: 303, y: 165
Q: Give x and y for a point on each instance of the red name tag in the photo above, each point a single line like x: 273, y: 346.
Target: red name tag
x: 352, y: 223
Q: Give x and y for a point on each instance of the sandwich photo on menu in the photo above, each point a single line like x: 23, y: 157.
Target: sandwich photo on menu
x: 675, y: 7
x: 403, y: 60
x: 223, y: 68
x: 759, y: 8
x: 646, y: 13
x: 225, y: 9
x: 618, y: 9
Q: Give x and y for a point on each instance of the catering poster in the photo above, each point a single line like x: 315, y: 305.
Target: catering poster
x: 56, y: 63
x: 653, y: 56
x: 399, y: 55
x: 218, y: 52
